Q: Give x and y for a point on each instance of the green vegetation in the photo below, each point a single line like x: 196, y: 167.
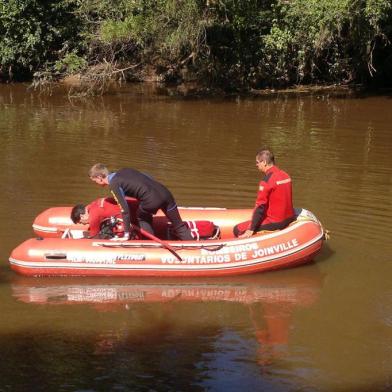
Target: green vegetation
x: 33, y: 34
x: 229, y: 44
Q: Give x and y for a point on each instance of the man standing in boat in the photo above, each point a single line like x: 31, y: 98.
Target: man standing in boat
x: 152, y: 196
x: 274, y: 205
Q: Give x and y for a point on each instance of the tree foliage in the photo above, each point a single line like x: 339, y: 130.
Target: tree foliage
x: 34, y: 33
x: 332, y: 41
x: 233, y: 44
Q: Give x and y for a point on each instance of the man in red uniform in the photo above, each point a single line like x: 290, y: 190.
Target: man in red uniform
x: 98, y: 211
x: 274, y: 205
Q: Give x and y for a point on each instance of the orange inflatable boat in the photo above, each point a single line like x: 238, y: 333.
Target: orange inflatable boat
x: 52, y: 254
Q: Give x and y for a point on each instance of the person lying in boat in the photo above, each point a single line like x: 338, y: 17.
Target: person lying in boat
x: 274, y: 205
x: 101, y: 216
x: 151, y: 195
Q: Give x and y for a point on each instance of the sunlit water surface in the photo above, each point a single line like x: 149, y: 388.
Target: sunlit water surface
x: 326, y: 326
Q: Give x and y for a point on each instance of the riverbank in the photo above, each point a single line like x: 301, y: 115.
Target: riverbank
x: 75, y: 87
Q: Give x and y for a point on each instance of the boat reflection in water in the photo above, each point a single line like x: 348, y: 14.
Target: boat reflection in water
x: 269, y: 299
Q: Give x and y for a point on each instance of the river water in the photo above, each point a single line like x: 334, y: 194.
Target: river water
x: 326, y: 326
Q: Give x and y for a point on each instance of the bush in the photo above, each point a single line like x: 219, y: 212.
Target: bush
x: 324, y: 40
x: 232, y: 44
x: 34, y: 33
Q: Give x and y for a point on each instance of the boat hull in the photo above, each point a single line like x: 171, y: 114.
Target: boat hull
x: 295, y: 245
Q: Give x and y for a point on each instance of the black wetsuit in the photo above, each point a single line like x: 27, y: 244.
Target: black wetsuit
x: 152, y: 196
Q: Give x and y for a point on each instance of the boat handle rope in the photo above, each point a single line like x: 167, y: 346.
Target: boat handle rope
x: 327, y: 233
x: 211, y: 248
x: 55, y: 256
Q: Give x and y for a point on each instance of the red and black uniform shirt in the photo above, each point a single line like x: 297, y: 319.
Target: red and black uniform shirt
x: 104, y: 208
x: 274, y: 199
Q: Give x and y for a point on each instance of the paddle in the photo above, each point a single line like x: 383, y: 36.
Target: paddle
x: 156, y: 239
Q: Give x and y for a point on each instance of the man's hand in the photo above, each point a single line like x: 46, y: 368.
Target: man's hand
x: 247, y: 234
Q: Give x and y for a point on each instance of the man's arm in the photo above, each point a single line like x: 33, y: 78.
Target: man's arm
x: 259, y: 211
x: 257, y: 217
x: 119, y: 196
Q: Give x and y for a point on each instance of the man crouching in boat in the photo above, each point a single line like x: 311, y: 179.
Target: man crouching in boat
x: 151, y: 195
x: 99, y: 213
x: 274, y: 205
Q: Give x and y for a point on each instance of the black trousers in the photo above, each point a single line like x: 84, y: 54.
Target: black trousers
x: 242, y: 227
x: 180, y: 228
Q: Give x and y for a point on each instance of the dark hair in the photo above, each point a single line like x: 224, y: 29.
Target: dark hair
x: 265, y: 154
x: 78, y: 210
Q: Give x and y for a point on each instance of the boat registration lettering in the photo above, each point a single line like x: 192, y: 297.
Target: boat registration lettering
x: 238, y: 253
x: 104, y: 258
x: 273, y: 249
x: 231, y: 249
x: 211, y: 259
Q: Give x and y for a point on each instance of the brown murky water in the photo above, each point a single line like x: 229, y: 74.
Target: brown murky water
x: 326, y: 326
